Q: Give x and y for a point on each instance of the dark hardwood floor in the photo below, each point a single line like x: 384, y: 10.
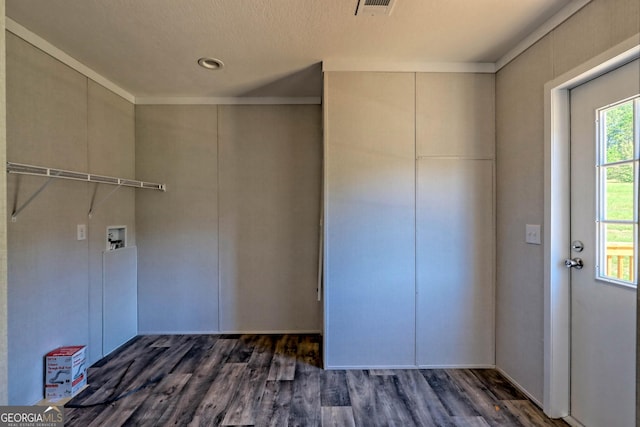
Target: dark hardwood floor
x: 275, y: 380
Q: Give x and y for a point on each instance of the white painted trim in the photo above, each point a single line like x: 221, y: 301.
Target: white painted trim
x: 615, y: 57
x: 463, y: 366
x: 459, y: 67
x: 277, y: 332
x: 327, y: 65
x: 557, y: 303
x: 407, y: 67
x: 557, y: 19
x: 239, y: 100
x: 519, y: 387
x: 395, y: 367
x: 437, y: 157
x: 326, y: 219
x: 572, y: 422
x: 51, y: 50
x: 368, y: 367
x: 66, y: 59
x: 556, y: 241
x: 142, y: 333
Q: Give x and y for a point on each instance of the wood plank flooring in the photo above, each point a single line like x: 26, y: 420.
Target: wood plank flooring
x: 276, y: 380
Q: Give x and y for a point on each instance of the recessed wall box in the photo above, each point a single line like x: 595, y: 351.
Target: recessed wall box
x: 116, y: 237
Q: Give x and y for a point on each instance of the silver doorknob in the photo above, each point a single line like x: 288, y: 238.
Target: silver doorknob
x: 574, y: 263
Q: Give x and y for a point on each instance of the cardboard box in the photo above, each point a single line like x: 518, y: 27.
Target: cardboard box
x: 65, y: 372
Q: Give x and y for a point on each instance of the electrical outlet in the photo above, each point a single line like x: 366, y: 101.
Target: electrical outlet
x: 82, y: 232
x: 532, y: 234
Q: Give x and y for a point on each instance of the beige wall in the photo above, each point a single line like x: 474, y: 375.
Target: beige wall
x: 111, y: 150
x: 56, y: 117
x: 520, y: 167
x: 4, y: 357
x: 270, y: 166
x: 232, y: 245
x: 177, y: 230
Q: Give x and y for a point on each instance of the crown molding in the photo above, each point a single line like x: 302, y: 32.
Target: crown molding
x: 327, y: 65
x: 239, y: 100
x: 459, y: 67
x: 37, y: 41
x: 550, y: 25
x: 413, y: 67
x: 51, y: 50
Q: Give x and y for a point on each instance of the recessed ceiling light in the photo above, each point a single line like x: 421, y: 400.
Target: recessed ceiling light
x: 210, y: 63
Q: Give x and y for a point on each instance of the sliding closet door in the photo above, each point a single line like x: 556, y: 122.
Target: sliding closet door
x: 369, y: 220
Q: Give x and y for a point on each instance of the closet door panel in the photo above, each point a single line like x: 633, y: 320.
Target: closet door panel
x: 120, y: 297
x: 370, y: 220
x: 455, y: 262
x: 455, y: 115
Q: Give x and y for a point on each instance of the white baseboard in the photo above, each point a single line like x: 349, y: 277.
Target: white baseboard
x: 519, y: 387
x: 277, y: 332
x: 468, y: 366
x: 463, y: 366
x: 367, y: 367
x: 179, y: 333
x: 229, y: 332
x: 572, y: 422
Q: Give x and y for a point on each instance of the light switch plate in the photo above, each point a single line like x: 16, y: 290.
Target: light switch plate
x: 82, y: 232
x: 532, y: 234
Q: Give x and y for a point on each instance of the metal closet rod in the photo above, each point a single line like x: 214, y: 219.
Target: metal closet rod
x: 24, y: 169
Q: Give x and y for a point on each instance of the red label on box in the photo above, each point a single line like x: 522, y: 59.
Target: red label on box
x: 65, y: 372
x: 65, y: 351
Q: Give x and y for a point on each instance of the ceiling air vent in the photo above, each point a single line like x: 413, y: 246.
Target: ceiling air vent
x: 375, y: 7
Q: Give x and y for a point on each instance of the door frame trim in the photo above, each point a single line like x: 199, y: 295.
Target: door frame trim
x: 556, y: 391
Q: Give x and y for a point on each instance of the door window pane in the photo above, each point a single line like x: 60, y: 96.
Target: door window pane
x: 619, y: 194
x: 617, y: 215
x: 619, y: 252
x: 618, y: 132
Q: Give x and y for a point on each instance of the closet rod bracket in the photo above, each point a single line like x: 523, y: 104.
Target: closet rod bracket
x: 94, y: 206
x: 16, y: 211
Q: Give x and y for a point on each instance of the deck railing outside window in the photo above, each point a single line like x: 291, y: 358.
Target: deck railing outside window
x: 620, y: 260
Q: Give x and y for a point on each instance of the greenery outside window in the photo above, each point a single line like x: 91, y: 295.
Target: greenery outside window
x: 618, y: 132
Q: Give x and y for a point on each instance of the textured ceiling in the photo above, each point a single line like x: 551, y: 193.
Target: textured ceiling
x: 269, y: 47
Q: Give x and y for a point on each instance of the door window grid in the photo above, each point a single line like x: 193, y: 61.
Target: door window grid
x: 618, y: 153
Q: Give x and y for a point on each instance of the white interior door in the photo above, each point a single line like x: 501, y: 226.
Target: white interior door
x: 604, y: 222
